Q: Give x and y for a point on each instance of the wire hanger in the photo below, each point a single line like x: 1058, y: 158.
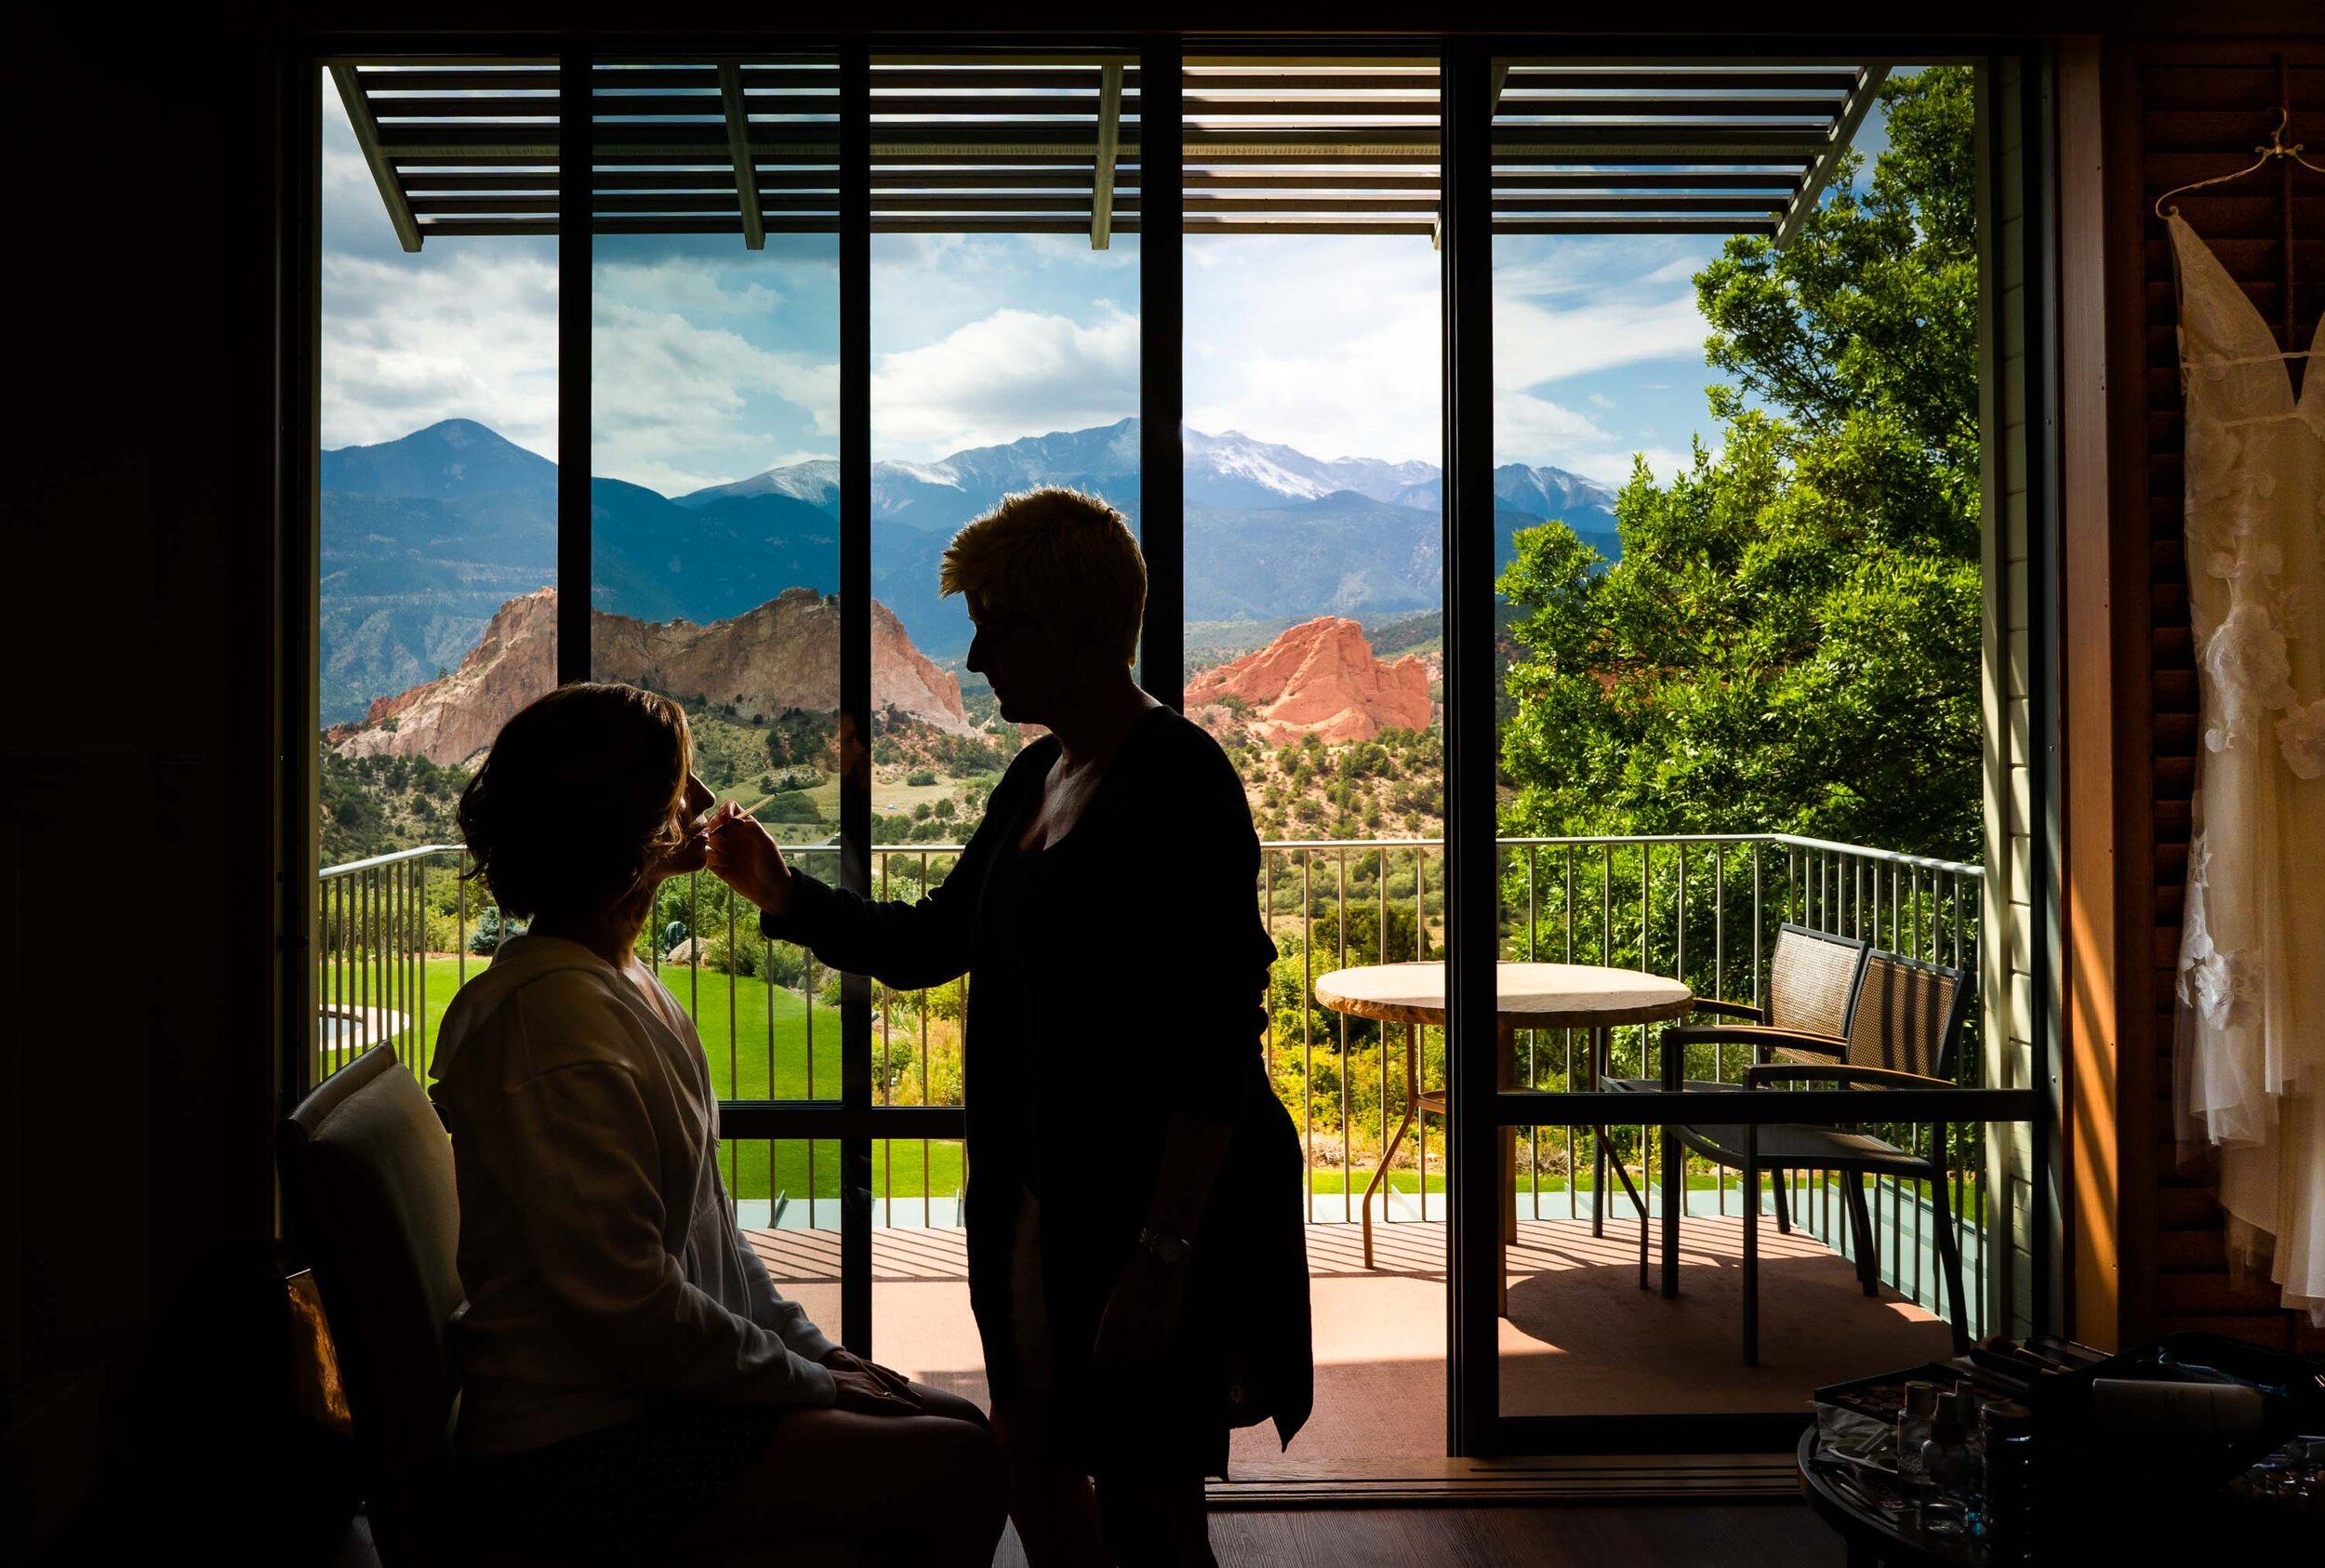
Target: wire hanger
x: 2274, y: 148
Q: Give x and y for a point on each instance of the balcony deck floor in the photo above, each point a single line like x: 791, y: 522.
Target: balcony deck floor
x: 1581, y: 1338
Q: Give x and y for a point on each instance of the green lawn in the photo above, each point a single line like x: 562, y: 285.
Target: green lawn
x: 772, y: 1028
x: 756, y: 1036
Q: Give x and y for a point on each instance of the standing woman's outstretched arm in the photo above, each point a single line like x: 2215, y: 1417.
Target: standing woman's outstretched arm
x: 903, y: 945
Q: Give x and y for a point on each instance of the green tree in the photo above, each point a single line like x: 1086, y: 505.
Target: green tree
x: 1790, y: 640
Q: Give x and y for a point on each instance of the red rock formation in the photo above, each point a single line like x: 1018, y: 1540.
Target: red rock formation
x: 1319, y: 678
x: 782, y: 655
x: 451, y: 717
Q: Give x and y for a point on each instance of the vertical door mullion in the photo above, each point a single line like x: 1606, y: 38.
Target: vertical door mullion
x: 575, y: 157
x: 299, y: 382
x: 854, y: 868
x: 1473, y: 1230
x: 1161, y: 476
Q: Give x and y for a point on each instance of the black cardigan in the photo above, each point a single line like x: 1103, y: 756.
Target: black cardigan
x: 1132, y: 989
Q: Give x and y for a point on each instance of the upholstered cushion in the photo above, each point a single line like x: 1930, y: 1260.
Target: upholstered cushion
x: 368, y: 1180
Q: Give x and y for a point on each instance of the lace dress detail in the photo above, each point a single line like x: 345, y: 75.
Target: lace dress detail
x: 2251, y: 1035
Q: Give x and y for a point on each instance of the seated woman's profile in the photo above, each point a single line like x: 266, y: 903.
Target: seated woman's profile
x: 633, y: 1383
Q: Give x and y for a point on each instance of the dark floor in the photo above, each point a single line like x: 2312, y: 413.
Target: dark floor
x: 1585, y: 1536
x: 1701, y: 1535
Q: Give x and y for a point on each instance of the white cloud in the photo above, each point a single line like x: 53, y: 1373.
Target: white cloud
x: 665, y: 389
x: 1535, y: 344
x: 1525, y: 424
x: 467, y: 333
x: 684, y: 285
x: 1009, y: 374
x: 1328, y: 344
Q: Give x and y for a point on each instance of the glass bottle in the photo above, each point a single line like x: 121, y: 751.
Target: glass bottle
x: 1913, y: 1432
x: 1946, y: 1456
x: 1967, y: 1405
x: 2008, y: 1481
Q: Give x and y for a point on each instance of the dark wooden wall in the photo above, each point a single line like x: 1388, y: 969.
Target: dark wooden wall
x: 138, y: 812
x: 2179, y: 112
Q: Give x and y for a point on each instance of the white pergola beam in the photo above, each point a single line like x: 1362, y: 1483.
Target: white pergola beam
x: 366, y: 128
x: 738, y: 143
x: 1110, y: 144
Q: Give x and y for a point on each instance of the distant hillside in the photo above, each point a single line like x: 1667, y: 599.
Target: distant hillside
x: 426, y: 536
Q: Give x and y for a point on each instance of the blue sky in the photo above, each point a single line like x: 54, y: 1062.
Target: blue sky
x: 712, y: 362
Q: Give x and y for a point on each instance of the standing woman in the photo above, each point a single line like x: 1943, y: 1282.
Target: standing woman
x: 1137, y: 1258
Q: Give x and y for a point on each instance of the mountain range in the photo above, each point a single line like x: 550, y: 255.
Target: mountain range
x: 424, y: 538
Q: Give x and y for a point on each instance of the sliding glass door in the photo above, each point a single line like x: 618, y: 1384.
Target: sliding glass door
x: 1528, y: 650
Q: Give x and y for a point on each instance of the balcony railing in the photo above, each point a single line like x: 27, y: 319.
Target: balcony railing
x: 399, y: 933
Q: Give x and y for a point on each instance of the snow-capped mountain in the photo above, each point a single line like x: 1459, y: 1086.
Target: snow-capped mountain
x: 424, y: 538
x: 1227, y: 471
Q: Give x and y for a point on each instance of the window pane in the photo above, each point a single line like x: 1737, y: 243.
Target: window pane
x: 1708, y: 650
x: 437, y: 576
x: 714, y: 554
x: 1005, y: 359
x: 1313, y: 632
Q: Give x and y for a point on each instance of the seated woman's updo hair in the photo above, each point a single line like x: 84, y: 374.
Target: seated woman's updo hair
x: 576, y: 799
x: 1060, y: 557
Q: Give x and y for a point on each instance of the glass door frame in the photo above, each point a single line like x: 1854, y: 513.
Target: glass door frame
x: 1479, y: 1107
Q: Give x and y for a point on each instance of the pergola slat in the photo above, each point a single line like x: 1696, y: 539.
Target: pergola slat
x: 394, y: 113
x: 1507, y: 179
x: 997, y: 202
x: 1766, y: 206
x: 1080, y: 77
x: 1350, y: 203
x: 1517, y: 109
x: 1529, y: 78
x: 1630, y: 226
x: 1050, y: 144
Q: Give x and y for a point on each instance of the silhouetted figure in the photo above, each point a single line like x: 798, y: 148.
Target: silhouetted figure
x: 1137, y: 1251
x: 633, y: 1385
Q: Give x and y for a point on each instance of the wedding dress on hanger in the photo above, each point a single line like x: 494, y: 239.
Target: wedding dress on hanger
x: 2251, y: 1035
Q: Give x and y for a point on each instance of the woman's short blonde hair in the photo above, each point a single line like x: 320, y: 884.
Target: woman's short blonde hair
x: 1060, y: 557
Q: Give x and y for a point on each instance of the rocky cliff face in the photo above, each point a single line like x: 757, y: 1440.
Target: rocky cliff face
x: 782, y: 655
x: 1318, y: 678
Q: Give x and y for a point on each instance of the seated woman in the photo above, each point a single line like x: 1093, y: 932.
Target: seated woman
x: 632, y: 1384
x: 1137, y: 1256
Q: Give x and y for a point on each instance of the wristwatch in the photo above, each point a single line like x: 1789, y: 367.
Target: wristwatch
x: 1170, y: 1249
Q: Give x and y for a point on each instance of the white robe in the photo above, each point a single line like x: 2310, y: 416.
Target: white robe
x: 599, y: 1252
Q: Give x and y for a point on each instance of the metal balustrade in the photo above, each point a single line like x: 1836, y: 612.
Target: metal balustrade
x: 1704, y: 908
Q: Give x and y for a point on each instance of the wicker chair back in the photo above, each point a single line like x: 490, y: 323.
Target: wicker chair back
x: 1908, y: 1016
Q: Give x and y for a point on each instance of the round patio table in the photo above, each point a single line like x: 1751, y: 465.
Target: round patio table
x: 1584, y: 996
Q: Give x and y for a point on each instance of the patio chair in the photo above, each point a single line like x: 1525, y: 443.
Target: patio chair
x: 1904, y: 1032
x: 1812, y: 981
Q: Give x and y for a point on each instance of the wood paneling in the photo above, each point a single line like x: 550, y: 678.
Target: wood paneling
x: 2089, y: 671
x: 2181, y: 112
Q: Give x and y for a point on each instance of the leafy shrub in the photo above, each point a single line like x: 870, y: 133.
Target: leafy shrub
x: 741, y: 957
